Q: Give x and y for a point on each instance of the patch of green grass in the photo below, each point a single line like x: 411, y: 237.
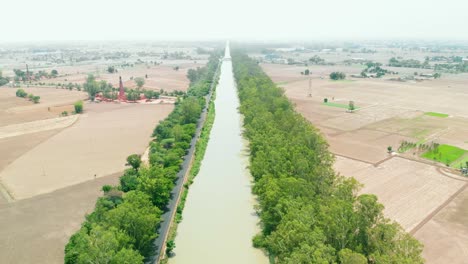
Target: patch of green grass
x: 436, y: 114
x: 460, y: 162
x: 345, y: 106
x: 445, y: 154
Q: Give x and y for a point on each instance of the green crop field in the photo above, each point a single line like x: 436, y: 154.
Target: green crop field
x: 445, y: 153
x: 436, y: 114
x: 345, y: 106
x: 461, y: 162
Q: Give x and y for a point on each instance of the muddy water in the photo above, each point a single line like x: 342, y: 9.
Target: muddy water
x: 219, y: 220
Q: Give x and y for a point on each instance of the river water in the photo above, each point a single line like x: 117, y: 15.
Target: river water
x: 219, y: 220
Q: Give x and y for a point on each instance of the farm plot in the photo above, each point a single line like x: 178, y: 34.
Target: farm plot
x: 409, y: 190
x: 95, y: 146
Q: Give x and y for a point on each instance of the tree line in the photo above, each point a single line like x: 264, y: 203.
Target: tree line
x: 308, y: 212
x: 123, y: 226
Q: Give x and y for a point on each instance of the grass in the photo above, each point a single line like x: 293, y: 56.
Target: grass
x: 436, y: 114
x: 460, y: 162
x: 345, y: 106
x: 445, y: 153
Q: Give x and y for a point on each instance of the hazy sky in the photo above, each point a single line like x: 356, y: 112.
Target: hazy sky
x: 25, y: 20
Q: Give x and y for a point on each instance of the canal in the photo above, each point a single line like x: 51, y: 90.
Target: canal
x: 219, y: 219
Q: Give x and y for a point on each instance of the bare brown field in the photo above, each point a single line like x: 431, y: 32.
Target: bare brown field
x: 14, y: 110
x: 445, y: 236
x: 412, y: 190
x: 36, y: 230
x: 409, y: 190
x: 95, y: 146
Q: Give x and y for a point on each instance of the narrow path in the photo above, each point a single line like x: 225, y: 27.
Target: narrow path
x: 167, y: 217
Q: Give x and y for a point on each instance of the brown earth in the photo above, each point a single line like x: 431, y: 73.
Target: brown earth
x: 36, y: 230
x: 96, y: 145
x: 390, y: 112
x: 14, y: 110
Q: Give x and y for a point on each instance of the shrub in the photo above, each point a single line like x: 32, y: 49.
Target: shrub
x: 21, y: 93
x: 36, y: 99
x: 337, y: 76
x: 79, y: 107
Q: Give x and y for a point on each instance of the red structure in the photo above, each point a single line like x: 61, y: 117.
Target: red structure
x: 122, y: 96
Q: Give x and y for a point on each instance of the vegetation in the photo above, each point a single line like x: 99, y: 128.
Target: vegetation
x: 337, y: 76
x: 3, y: 80
x: 78, y: 107
x: 444, y: 153
x: 309, y: 214
x: 374, y: 68
x: 436, y: 114
x: 345, y: 106
x: 139, y: 81
x: 351, y: 106
x: 21, y: 93
x: 411, y: 63
x: 111, y: 69
x: 33, y: 98
x: 123, y: 225
x: 200, y: 150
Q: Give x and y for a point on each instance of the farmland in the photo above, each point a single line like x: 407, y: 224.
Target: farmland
x: 60, y: 161
x: 414, y: 190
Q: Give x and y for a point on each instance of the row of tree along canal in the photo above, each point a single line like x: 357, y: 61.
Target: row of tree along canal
x: 309, y: 214
x: 122, y: 227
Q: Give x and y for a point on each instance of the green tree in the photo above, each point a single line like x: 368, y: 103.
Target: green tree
x: 347, y: 256
x: 78, y: 107
x: 54, y: 73
x: 191, y: 110
x: 36, y: 99
x: 351, y: 106
x: 337, y: 76
x: 111, y: 69
x: 137, y: 218
x: 21, y: 93
x: 139, y: 81
x: 134, y: 160
x: 170, y: 246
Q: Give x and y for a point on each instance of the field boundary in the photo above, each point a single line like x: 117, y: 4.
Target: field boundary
x: 437, y: 210
x: 6, y: 193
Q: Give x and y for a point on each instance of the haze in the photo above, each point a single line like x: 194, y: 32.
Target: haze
x: 58, y: 20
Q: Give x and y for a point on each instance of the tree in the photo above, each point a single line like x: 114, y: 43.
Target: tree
x: 134, y: 160
x: 36, y: 99
x: 139, y: 81
x: 21, y: 93
x: 437, y: 75
x: 170, y: 245
x: 351, y: 106
x: 337, y: 76
x: 111, y: 69
x: 191, y: 110
x: 137, y: 218
x: 79, y: 107
x: 307, y: 72
x: 92, y: 87
x: 347, y: 256
x: 389, y: 149
x: 54, y: 73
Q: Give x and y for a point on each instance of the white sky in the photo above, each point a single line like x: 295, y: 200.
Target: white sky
x: 41, y: 20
